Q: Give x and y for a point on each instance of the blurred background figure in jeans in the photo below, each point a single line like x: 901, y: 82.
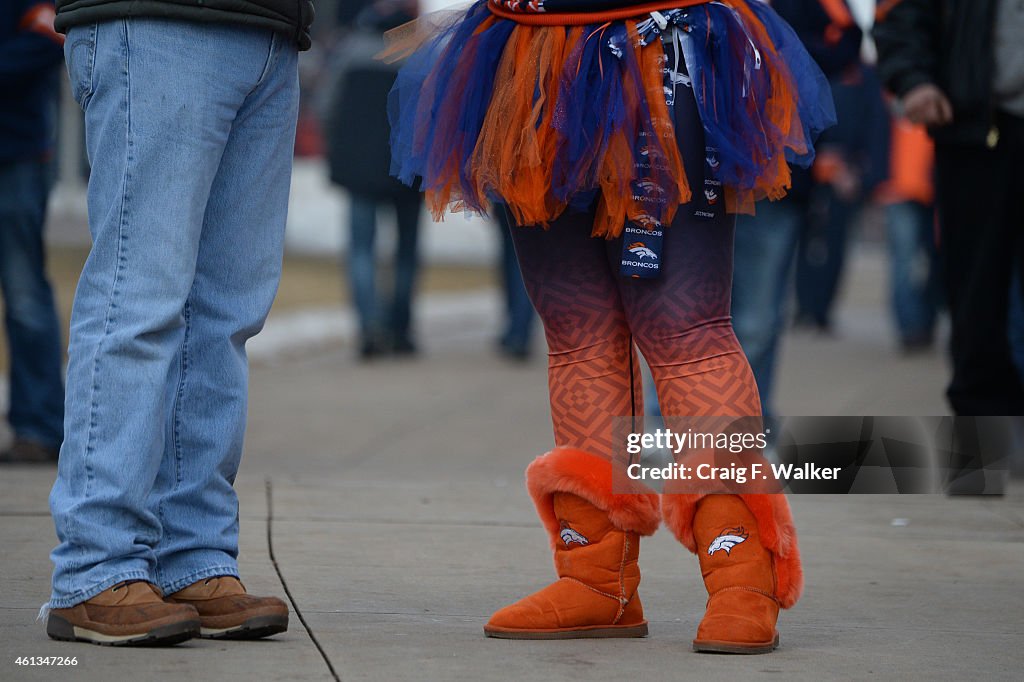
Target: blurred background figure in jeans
x: 852, y: 161
x: 765, y: 243
x: 958, y: 68
x: 514, y: 342
x: 359, y: 157
x: 30, y: 52
x: 909, y: 196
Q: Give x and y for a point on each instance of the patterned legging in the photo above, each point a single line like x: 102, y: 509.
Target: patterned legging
x: 592, y: 317
x: 680, y: 321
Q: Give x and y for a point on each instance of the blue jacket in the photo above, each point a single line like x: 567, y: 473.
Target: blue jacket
x: 30, y: 52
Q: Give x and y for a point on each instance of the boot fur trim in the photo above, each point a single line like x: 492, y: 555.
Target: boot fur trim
x: 630, y: 505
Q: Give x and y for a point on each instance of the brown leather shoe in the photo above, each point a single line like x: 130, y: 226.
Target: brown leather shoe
x: 227, y: 612
x: 129, y: 613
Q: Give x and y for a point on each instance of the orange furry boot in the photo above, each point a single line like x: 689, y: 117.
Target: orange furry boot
x: 750, y: 562
x: 594, y: 516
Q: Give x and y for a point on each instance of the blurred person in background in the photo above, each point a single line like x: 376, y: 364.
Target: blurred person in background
x: 957, y: 67
x: 30, y: 51
x: 348, y: 11
x: 766, y: 242
x: 359, y: 159
x: 520, y: 316
x: 853, y: 160
x: 908, y: 196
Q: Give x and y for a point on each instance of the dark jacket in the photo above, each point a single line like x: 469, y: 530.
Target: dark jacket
x: 834, y: 46
x: 355, y: 122
x: 291, y: 17
x: 29, y: 54
x: 947, y: 43
x: 834, y: 43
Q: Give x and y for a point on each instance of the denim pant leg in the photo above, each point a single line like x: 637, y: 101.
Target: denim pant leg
x: 237, y: 274
x: 519, y: 309
x: 764, y: 248
x: 160, y: 100
x: 30, y: 317
x: 362, y: 263
x: 407, y: 218
x: 912, y: 268
x: 821, y: 255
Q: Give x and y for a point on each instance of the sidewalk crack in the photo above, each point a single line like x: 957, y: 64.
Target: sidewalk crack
x: 284, y: 583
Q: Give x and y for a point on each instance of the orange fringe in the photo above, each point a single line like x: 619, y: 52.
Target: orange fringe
x: 512, y: 156
x: 513, y: 153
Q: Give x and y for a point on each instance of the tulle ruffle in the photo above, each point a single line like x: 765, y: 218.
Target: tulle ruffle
x: 548, y: 119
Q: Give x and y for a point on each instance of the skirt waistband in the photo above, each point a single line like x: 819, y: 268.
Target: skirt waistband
x: 588, y: 18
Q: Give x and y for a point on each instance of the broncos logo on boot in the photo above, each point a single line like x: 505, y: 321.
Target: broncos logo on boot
x: 728, y: 539
x: 570, y: 536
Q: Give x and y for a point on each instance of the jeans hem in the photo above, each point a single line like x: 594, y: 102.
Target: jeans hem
x: 87, y: 594
x: 213, y: 572
x: 28, y: 433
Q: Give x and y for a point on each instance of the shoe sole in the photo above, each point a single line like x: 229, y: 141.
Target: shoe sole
x: 166, y: 635
x: 713, y: 647
x: 254, y: 628
x: 590, y: 632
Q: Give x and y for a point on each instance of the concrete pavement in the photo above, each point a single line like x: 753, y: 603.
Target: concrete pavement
x: 391, y: 497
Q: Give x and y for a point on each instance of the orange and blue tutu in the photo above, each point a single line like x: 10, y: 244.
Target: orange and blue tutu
x: 549, y: 110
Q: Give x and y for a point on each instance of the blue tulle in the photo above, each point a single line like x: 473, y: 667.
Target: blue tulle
x: 749, y: 82
x: 589, y: 108
x: 816, y: 107
x: 721, y: 65
x: 439, y: 65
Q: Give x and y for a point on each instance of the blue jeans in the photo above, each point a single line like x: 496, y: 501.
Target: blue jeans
x: 373, y: 322
x: 764, y: 248
x: 821, y: 255
x: 33, y: 332
x: 913, y: 263
x: 190, y: 129
x: 520, y: 314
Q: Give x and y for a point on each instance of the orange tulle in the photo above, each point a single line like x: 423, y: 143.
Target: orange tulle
x: 779, y: 112
x: 506, y: 111
x: 513, y: 154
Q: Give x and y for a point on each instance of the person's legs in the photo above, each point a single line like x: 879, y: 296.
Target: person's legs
x: 515, y: 338
x: 160, y: 98
x: 912, y: 276
x: 1016, y: 321
x: 682, y: 325
x: 593, y: 369
x: 362, y: 269
x: 978, y: 244
x: 407, y: 218
x: 764, y: 249
x: 238, y: 268
x: 593, y: 514
x: 822, y: 255
x: 36, y: 405
x: 1015, y: 168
